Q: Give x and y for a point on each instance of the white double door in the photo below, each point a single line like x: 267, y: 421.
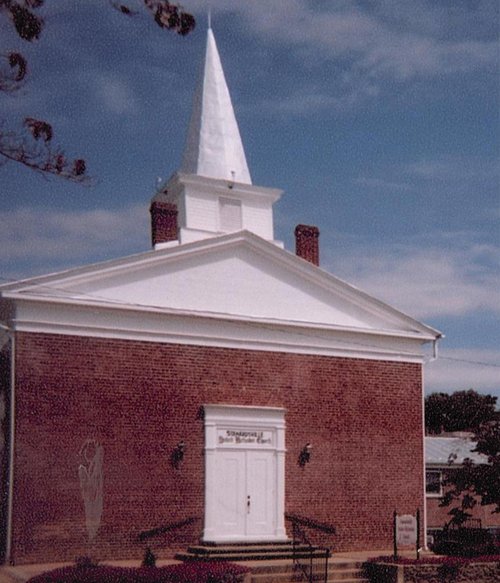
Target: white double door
x: 245, y: 492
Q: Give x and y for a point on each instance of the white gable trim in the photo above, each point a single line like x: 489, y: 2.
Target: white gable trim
x: 178, y: 327
x: 62, y: 286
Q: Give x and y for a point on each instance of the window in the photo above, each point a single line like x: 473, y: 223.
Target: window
x: 433, y: 483
x: 230, y: 214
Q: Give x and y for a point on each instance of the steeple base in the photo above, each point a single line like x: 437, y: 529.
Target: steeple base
x: 209, y: 207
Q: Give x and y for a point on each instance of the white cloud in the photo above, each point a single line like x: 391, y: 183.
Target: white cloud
x: 383, y: 183
x: 404, y: 56
x: 37, y: 239
x: 465, y: 180
x: 371, y: 46
x: 462, y: 369
x: 428, y: 279
x: 412, y: 39
x: 114, y: 94
x: 307, y: 100
x: 452, y: 168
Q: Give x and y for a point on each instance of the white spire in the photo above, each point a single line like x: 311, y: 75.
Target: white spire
x: 214, y: 148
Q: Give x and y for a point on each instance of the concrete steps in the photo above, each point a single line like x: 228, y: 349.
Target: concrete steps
x: 272, y: 562
x: 249, y: 552
x: 285, y: 572
x: 347, y: 572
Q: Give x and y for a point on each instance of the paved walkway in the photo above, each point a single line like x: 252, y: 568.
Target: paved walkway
x: 21, y: 573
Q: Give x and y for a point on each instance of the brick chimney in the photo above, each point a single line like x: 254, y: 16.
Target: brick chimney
x: 163, y: 222
x: 307, y: 243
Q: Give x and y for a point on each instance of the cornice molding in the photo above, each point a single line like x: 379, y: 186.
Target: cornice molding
x: 177, y: 327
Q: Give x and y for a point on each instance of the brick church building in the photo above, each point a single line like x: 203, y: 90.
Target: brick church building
x: 207, y: 388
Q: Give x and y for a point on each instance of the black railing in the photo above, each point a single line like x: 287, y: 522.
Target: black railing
x: 307, y: 557
x: 167, y: 528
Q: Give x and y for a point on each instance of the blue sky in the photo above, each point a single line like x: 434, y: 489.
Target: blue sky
x: 380, y: 120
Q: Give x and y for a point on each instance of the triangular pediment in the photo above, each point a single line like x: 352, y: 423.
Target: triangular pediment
x: 233, y: 276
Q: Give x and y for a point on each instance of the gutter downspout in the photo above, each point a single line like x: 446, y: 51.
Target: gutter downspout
x: 435, y: 348
x: 424, y: 472
x: 432, y: 359
x: 12, y: 410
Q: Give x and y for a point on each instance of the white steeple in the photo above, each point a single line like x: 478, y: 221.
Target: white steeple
x: 214, y: 148
x: 212, y: 194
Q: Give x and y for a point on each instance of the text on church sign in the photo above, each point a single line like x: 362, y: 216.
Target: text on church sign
x: 406, y: 530
x: 241, y: 437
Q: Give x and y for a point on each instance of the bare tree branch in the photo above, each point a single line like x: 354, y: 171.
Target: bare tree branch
x: 13, y: 71
x: 31, y: 145
x: 166, y: 15
x: 32, y: 148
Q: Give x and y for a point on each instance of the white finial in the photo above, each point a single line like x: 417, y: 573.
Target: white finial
x: 209, y: 16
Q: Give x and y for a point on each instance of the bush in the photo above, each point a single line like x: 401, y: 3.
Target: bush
x: 450, y: 561
x: 196, y: 572
x: 464, y: 542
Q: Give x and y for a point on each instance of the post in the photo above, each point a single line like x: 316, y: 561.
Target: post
x: 418, y: 534
x: 395, y: 540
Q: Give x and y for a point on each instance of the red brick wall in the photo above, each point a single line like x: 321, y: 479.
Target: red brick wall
x: 140, y: 399
x: 5, y: 358
x: 163, y: 222
x: 307, y: 243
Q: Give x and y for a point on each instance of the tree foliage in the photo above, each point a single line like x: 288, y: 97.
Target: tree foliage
x: 472, y: 483
x: 460, y: 411
x: 31, y: 142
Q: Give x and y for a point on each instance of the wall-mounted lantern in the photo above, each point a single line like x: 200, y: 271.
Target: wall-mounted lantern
x: 178, y: 454
x: 305, y: 454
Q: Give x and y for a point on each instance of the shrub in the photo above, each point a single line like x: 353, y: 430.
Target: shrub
x: 444, y: 560
x: 196, y: 572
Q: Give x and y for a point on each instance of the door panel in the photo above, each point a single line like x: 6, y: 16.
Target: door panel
x: 261, y: 489
x: 231, y: 492
x: 245, y: 493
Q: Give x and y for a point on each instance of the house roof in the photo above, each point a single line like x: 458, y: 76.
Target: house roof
x: 236, y: 289
x: 444, y: 451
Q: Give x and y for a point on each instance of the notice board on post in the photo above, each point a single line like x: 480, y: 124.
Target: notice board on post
x: 406, y: 528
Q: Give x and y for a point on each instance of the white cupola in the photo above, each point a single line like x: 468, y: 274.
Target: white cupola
x: 212, y: 193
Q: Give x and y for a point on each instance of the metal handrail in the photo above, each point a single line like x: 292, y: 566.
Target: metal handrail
x: 144, y: 535
x: 299, y: 537
x: 311, y: 523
